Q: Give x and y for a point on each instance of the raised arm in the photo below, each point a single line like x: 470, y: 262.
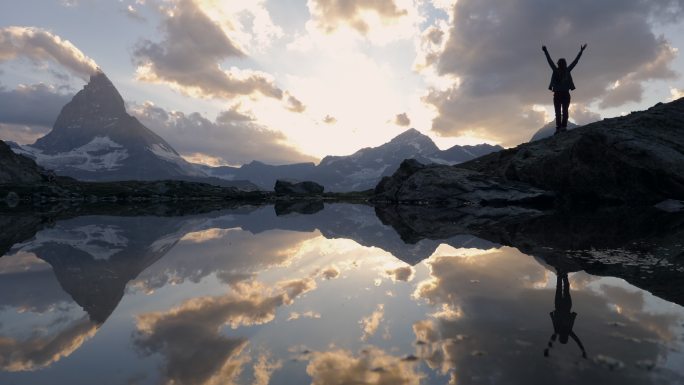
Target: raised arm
x: 579, y: 55
x: 548, y: 58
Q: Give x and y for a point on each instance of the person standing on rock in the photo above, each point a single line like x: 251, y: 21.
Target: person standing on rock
x: 561, y: 85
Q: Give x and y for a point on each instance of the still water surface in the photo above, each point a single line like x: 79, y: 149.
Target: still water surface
x: 248, y: 297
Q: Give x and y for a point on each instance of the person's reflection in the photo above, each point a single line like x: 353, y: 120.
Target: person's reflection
x: 562, y: 317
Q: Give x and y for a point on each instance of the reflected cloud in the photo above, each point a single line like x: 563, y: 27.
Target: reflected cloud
x: 331, y: 272
x: 370, y: 324
x: 189, y: 336
x: 371, y: 366
x: 403, y: 273
x: 502, y: 324
x: 40, y: 351
x: 232, y: 255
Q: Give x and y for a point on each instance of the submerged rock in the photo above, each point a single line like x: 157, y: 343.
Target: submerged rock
x: 289, y: 187
x: 414, y: 182
x: 638, y: 158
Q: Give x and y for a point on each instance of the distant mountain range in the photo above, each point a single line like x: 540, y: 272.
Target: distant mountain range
x: 95, y: 139
x: 360, y: 171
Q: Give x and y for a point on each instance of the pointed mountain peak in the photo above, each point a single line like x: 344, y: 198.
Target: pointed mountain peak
x: 410, y: 133
x: 414, y: 137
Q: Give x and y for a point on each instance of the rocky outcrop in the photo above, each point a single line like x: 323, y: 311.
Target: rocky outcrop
x: 638, y: 158
x: 18, y: 169
x: 414, y: 182
x: 289, y: 187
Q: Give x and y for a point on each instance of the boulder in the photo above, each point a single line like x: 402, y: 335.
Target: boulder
x: 638, y: 158
x: 290, y: 187
x: 414, y: 182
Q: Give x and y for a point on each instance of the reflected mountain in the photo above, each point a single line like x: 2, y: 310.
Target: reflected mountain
x: 94, y: 257
x: 641, y: 245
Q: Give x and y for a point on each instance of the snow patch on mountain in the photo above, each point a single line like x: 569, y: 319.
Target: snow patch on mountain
x: 100, y: 154
x: 100, y: 242
x: 166, y: 153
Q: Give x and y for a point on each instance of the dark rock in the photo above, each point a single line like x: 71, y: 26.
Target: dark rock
x: 18, y: 169
x: 438, y: 184
x: 289, y: 187
x: 638, y: 158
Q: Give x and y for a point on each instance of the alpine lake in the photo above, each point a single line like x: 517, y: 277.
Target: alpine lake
x: 342, y: 294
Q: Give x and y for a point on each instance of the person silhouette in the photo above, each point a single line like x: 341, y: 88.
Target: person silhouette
x: 562, y: 317
x: 561, y: 85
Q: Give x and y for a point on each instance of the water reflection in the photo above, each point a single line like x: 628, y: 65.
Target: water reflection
x: 562, y: 317
x: 303, y: 295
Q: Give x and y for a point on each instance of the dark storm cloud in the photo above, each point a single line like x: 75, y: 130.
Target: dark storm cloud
x: 234, y: 137
x: 189, y: 55
x: 494, y: 47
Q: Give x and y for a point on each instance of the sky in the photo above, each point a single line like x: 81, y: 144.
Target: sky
x: 283, y: 81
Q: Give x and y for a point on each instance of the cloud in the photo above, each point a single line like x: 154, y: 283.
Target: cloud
x: 133, y: 13
x: 233, y: 138
x: 32, y: 105
x: 372, y: 366
x: 39, y: 351
x: 295, y: 105
x: 39, y: 46
x: 189, y: 336
x: 376, y: 21
x: 328, y: 119
x: 330, y: 14
x: 403, y: 273
x: 676, y: 93
x: 583, y: 115
x: 263, y: 251
x: 370, y: 324
x: 189, y: 55
x: 307, y: 314
x: 402, y: 120
x: 494, y: 49
x: 331, y: 272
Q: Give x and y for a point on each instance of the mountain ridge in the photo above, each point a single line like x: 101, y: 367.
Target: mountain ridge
x: 361, y: 170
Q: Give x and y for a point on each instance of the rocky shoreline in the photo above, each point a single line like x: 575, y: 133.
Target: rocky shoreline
x: 637, y: 159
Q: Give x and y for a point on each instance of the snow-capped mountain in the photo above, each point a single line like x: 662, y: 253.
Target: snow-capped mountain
x: 548, y: 130
x: 95, y: 139
x: 361, y: 170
